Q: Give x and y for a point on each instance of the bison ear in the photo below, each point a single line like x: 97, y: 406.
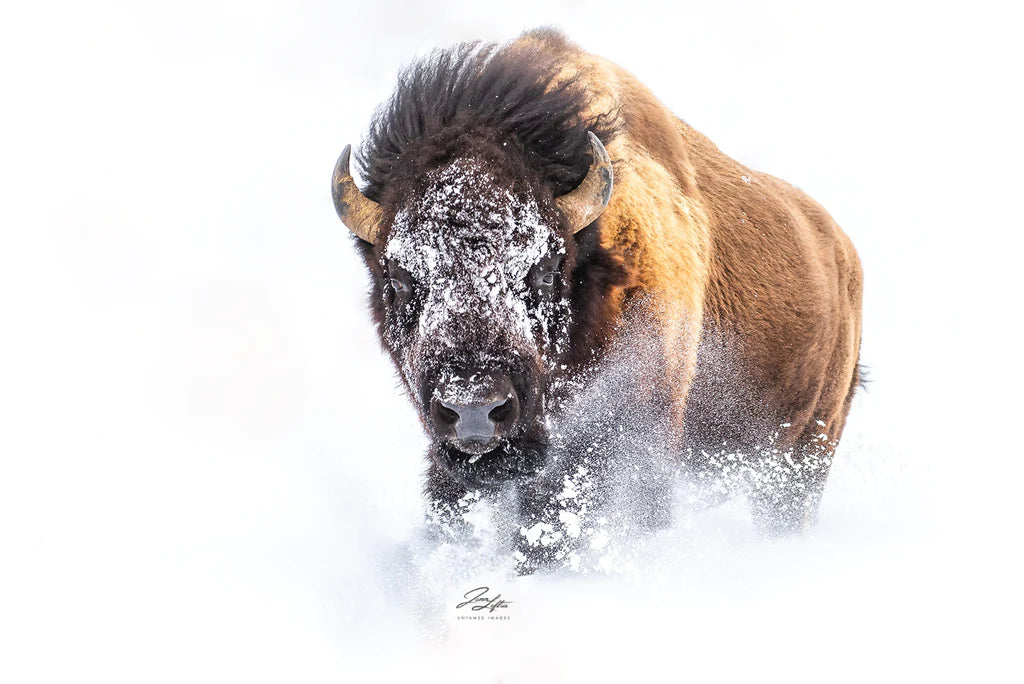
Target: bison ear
x: 361, y: 215
x: 582, y: 206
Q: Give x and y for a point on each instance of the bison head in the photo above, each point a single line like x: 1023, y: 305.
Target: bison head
x: 472, y: 291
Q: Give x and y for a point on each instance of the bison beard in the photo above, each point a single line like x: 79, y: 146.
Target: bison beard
x: 705, y: 326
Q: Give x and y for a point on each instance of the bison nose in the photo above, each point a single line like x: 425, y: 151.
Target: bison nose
x: 475, y: 418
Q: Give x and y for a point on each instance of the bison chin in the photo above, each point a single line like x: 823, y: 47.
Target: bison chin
x: 513, y: 460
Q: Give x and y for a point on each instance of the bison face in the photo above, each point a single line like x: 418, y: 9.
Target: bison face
x: 475, y: 303
x: 471, y: 293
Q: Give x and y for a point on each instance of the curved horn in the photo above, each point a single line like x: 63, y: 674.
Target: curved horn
x: 361, y: 215
x: 584, y: 204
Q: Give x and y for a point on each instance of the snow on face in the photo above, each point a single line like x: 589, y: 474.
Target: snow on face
x: 470, y: 245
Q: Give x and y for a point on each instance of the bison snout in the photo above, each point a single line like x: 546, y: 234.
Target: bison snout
x: 474, y: 414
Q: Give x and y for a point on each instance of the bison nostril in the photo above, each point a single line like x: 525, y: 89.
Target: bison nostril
x: 445, y: 414
x: 501, y: 413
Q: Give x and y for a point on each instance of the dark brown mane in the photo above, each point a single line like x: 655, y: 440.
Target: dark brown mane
x: 479, y: 90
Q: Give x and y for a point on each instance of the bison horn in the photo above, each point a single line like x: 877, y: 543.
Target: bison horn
x: 584, y: 204
x: 360, y: 214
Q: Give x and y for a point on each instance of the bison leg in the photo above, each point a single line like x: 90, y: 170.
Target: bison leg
x: 537, y: 541
x: 447, y: 504
x: 787, y: 485
x: 787, y: 508
x: 794, y: 480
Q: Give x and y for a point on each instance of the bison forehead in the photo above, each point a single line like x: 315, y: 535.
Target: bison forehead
x: 467, y: 224
x: 470, y: 244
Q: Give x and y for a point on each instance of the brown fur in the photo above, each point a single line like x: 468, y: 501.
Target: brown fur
x: 751, y: 290
x: 726, y: 250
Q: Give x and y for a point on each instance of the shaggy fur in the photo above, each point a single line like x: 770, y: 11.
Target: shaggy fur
x: 475, y: 91
x: 752, y: 288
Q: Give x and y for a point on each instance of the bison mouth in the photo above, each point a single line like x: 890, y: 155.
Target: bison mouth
x: 510, y: 461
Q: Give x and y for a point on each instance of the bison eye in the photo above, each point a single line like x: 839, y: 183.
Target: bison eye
x: 544, y: 276
x: 401, y: 283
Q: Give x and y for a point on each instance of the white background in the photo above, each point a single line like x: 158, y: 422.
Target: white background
x: 207, y: 472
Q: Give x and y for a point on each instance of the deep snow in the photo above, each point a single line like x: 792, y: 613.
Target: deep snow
x: 208, y: 472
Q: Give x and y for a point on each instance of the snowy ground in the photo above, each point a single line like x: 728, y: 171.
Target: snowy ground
x: 207, y: 472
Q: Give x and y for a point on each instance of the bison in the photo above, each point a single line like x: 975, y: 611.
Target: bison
x: 528, y: 210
